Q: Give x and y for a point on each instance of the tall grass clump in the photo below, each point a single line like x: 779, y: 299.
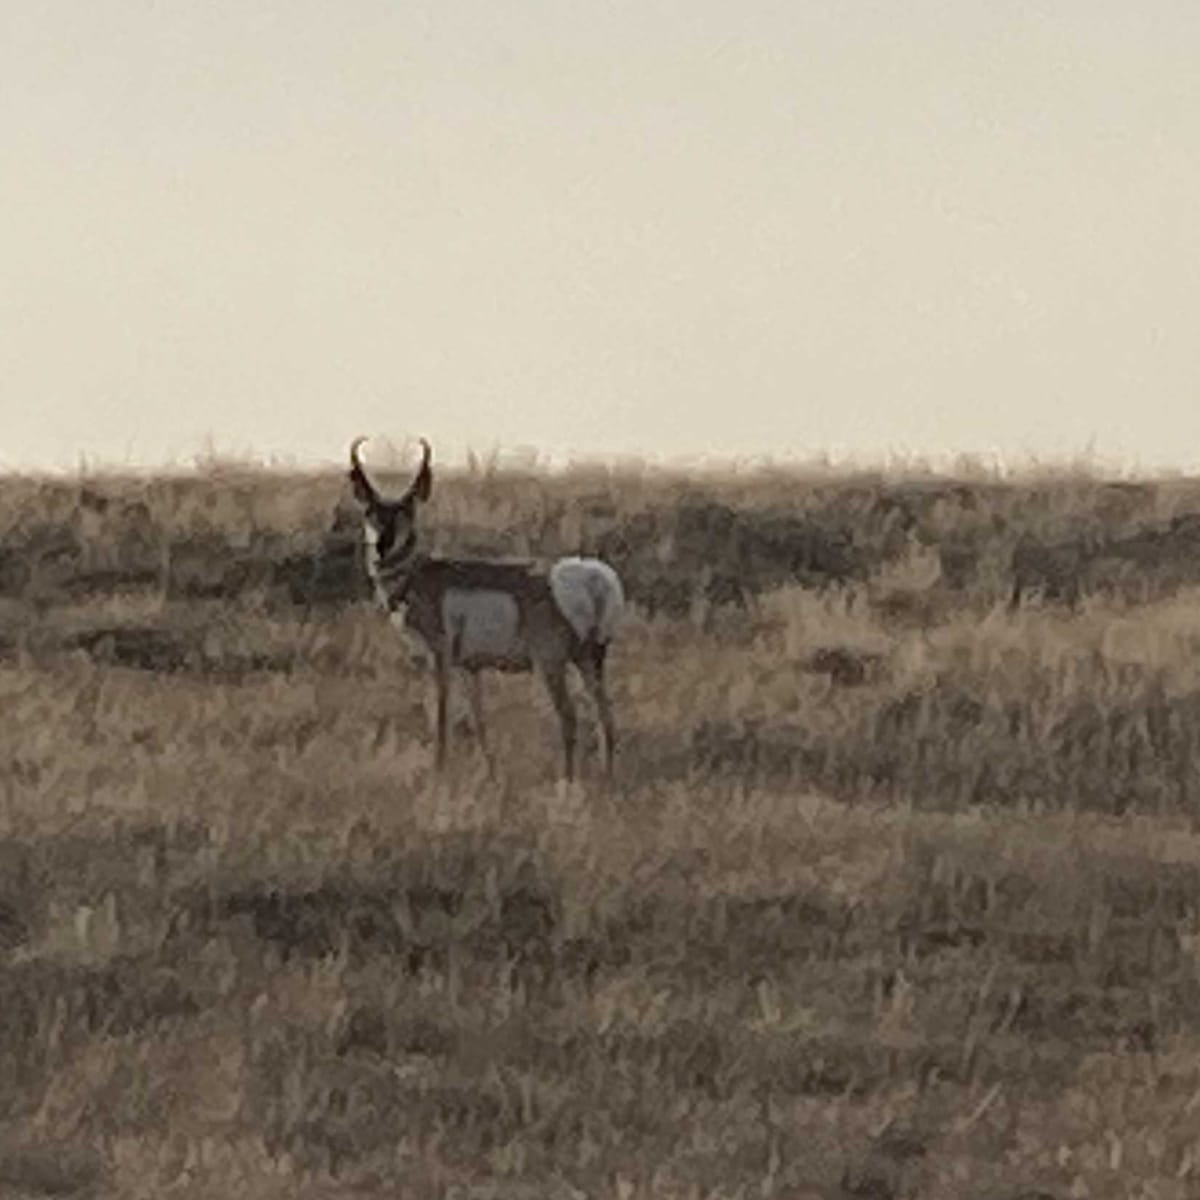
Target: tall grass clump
x: 896, y: 891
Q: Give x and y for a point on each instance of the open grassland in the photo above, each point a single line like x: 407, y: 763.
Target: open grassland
x: 896, y: 892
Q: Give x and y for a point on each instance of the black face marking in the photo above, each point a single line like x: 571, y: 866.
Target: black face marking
x: 390, y: 529
x: 387, y: 534
x: 394, y: 526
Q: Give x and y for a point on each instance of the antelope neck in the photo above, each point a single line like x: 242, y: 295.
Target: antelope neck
x: 395, y: 570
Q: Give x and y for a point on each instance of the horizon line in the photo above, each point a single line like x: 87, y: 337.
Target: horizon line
x: 524, y: 459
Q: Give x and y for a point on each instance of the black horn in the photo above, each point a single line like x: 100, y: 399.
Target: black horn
x: 363, y: 491
x: 423, y: 483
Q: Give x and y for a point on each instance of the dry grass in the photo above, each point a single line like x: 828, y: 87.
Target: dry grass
x: 896, y: 894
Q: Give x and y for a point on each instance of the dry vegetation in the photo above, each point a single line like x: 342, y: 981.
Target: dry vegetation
x: 896, y: 894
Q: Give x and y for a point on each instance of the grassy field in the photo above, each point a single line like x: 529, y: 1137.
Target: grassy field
x: 896, y: 892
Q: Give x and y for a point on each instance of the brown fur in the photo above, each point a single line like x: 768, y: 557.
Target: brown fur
x: 420, y: 585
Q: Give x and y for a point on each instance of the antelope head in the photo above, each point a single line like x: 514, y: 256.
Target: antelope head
x: 389, y: 525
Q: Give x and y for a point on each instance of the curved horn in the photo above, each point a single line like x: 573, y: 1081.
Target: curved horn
x: 363, y: 491
x: 423, y: 483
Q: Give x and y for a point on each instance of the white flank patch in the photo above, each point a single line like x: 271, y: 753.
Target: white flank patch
x: 483, y: 624
x: 588, y: 592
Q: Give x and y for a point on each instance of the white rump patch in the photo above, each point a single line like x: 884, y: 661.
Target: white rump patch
x: 483, y: 624
x: 588, y: 593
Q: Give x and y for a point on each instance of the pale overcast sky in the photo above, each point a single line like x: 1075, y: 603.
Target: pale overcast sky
x: 763, y: 227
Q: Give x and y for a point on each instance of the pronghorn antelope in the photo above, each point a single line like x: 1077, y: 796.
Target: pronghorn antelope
x: 481, y: 614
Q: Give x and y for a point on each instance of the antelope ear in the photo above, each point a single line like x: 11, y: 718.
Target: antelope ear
x: 364, y: 493
x: 422, y: 485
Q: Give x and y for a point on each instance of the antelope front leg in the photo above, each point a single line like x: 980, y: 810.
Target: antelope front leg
x: 443, y: 697
x: 475, y: 695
